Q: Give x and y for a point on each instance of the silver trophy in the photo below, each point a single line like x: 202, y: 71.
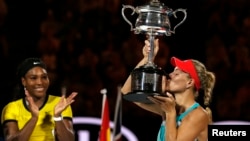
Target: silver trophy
x: 153, y: 20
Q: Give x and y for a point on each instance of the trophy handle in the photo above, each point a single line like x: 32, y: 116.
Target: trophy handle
x: 125, y: 18
x: 184, y: 18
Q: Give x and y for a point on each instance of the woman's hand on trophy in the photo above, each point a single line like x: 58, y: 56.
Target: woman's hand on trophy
x: 146, y: 49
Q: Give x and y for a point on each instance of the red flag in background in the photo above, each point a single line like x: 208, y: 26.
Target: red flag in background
x: 105, y: 127
x: 117, y: 134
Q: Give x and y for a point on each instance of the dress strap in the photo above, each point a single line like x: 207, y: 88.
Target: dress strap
x: 181, y: 116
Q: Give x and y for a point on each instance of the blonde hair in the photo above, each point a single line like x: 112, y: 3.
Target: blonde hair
x: 207, y: 80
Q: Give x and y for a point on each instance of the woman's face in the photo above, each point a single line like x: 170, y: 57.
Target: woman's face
x: 36, y: 81
x: 178, y: 81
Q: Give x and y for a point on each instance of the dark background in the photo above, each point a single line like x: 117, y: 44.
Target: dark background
x: 88, y: 46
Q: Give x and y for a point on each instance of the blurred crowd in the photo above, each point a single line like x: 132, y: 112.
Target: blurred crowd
x: 88, y: 46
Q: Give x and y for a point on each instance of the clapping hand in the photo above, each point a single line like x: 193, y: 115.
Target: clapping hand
x: 64, y: 102
x: 31, y: 104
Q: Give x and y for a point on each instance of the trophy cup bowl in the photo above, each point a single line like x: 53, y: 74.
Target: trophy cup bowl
x: 153, y: 16
x: 153, y: 20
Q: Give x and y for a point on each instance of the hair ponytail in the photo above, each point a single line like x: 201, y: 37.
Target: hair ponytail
x: 209, y: 112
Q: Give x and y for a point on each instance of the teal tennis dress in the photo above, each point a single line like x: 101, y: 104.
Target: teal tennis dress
x: 161, y: 133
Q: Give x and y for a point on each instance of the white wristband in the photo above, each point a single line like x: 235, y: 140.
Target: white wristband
x: 58, y: 118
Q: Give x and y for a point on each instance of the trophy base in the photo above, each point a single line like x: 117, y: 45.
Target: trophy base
x: 139, y: 97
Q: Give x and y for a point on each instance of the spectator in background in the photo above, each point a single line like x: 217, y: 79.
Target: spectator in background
x: 3, y: 12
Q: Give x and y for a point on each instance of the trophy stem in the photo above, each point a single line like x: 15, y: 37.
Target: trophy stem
x: 151, y: 53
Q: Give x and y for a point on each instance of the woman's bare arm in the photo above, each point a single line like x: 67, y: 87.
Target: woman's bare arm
x: 12, y: 133
x: 64, y: 130
x: 126, y: 88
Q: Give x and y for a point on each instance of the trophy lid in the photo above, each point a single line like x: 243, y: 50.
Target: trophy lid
x: 154, y: 6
